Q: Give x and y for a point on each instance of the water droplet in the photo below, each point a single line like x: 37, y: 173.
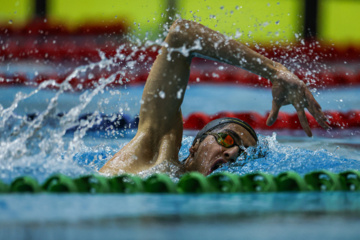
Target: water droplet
x: 10, y: 21
x: 277, y: 22
x: 238, y: 34
x: 179, y: 94
x: 162, y: 94
x: 215, y: 75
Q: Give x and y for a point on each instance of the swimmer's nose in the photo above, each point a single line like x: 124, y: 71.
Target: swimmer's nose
x: 231, y: 154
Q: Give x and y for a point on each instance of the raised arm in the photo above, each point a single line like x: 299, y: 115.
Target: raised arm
x: 188, y: 39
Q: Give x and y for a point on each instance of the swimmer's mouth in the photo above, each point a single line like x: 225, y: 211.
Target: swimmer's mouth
x: 216, y: 165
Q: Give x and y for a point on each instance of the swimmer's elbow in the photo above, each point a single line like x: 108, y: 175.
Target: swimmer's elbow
x: 179, y: 24
x: 175, y: 35
x: 179, y: 33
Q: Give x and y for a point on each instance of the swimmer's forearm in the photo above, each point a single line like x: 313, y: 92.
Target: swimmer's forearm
x: 207, y: 43
x: 255, y: 62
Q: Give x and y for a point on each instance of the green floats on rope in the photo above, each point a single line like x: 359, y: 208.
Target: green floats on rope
x: 126, y: 183
x: 350, y: 180
x: 92, y: 184
x: 225, y: 182
x: 258, y: 182
x: 25, y: 184
x: 323, y: 181
x: 3, y: 187
x: 60, y: 184
x: 193, y: 182
x: 290, y: 182
x: 159, y: 183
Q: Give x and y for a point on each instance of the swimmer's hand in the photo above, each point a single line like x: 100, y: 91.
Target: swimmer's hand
x: 287, y: 88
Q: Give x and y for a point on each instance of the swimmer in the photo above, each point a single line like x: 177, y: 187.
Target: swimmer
x: 158, y: 139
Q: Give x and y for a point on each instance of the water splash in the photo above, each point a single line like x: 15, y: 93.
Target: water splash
x: 280, y: 158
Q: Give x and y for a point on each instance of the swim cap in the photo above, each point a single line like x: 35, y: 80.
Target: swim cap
x: 215, y: 123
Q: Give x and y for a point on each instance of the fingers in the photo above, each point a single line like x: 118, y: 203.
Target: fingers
x: 300, y: 97
x: 303, y: 121
x: 273, y: 114
x: 315, y: 110
x: 320, y: 118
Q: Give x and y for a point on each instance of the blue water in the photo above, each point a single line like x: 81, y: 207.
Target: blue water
x: 207, y: 98
x: 51, y: 149
x: 231, y: 216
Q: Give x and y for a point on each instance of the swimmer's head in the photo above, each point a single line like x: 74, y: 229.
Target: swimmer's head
x: 219, y: 142
x: 219, y: 123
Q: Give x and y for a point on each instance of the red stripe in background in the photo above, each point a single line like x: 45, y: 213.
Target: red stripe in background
x: 337, y: 120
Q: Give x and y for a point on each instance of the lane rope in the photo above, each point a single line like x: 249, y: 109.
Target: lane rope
x: 240, y: 77
x: 337, y: 120
x: 192, y: 182
x: 197, y: 120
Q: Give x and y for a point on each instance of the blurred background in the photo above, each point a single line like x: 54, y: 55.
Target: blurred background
x: 319, y: 40
x: 260, y: 20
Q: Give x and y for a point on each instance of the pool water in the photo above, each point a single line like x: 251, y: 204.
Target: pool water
x: 43, y: 147
x: 332, y: 215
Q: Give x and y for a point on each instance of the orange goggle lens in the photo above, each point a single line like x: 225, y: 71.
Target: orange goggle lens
x: 228, y: 141
x: 225, y: 140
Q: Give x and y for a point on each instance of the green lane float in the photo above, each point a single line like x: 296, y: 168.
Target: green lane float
x: 350, y: 180
x: 194, y: 182
x: 290, y: 182
x: 3, y: 187
x: 126, y: 183
x: 323, y: 181
x: 159, y: 183
x: 225, y: 182
x: 25, y: 184
x: 92, y: 184
x: 60, y: 183
x: 258, y: 182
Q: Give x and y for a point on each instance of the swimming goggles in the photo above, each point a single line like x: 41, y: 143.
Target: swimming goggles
x: 225, y: 140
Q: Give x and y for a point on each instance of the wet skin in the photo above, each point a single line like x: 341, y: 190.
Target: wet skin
x: 207, y: 155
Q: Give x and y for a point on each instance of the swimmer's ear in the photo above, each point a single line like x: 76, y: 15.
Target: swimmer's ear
x: 194, y: 148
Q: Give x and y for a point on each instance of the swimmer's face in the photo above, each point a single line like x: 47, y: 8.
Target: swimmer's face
x: 208, y: 155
